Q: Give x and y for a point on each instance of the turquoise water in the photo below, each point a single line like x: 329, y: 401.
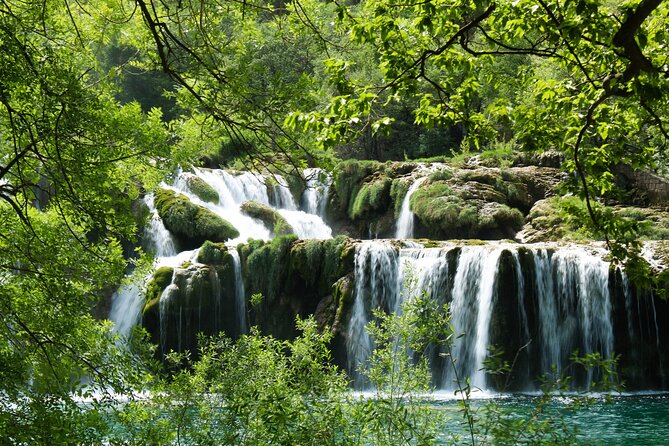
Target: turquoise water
x: 636, y: 419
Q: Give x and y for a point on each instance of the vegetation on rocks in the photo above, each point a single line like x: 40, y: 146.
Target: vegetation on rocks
x: 202, y: 189
x: 372, y: 196
x: 212, y: 253
x: 190, y: 223
x: 276, y: 223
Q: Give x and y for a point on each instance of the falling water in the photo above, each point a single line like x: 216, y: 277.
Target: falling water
x: 406, y: 217
x: 159, y: 238
x: 376, y: 266
x: 127, y: 303
x: 315, y: 197
x: 573, y: 306
x: 283, y: 199
x: 470, y: 309
x: 240, y: 294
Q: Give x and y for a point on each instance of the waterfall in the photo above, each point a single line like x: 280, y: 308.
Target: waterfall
x: 240, y: 294
x: 470, y: 311
x: 376, y: 266
x: 406, y: 217
x: 306, y: 225
x: 165, y: 299
x: 283, y: 199
x: 315, y: 196
x: 568, y: 285
x: 127, y: 303
x: 159, y: 238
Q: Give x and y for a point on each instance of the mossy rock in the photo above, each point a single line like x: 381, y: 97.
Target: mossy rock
x: 438, y: 207
x: 190, y: 223
x: 549, y: 221
x: 342, y: 296
x: 472, y: 210
x: 270, y: 217
x: 348, y: 176
x: 212, y: 253
x: 202, y: 189
x: 500, y: 216
x: 266, y: 265
x: 653, y: 224
x: 373, y: 197
x: 160, y: 280
x: 319, y: 263
x: 398, y: 190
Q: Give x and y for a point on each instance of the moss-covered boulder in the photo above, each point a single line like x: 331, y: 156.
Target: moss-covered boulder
x: 191, y: 224
x: 201, y: 188
x: 466, y: 206
x: 566, y: 218
x: 348, y: 176
x: 199, y: 299
x: 212, y: 253
x: 373, y: 197
x: 160, y: 280
x: 274, y: 221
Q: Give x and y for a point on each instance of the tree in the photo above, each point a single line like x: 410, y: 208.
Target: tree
x: 591, y: 83
x: 71, y: 163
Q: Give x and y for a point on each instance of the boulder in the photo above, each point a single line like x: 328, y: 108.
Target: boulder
x: 191, y: 224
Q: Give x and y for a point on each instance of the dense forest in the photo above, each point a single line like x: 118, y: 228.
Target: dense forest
x: 102, y: 100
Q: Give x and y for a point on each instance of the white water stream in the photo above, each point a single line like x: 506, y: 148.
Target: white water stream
x: 406, y: 217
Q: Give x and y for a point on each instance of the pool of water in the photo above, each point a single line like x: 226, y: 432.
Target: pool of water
x: 627, y: 419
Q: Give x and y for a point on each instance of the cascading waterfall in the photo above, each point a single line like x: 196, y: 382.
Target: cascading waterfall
x: 127, y: 303
x: 233, y: 190
x: 539, y: 303
x: 376, y: 265
x: 406, y: 217
x: 240, y: 294
x: 470, y: 310
x: 314, y: 199
x: 159, y: 238
x: 574, y: 306
x: 570, y: 290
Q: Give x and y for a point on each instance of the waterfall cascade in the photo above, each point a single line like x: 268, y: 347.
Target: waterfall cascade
x: 538, y: 302
x: 406, y: 217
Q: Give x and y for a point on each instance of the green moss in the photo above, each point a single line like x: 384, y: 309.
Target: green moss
x: 398, y: 190
x: 445, y: 213
x: 190, y: 223
x: 202, y: 189
x: 212, y: 253
x: 373, y: 196
x: 348, y: 176
x: 651, y: 224
x: 270, y: 217
x: 266, y: 265
x: 502, y: 216
x: 449, y: 213
x: 160, y: 280
x: 441, y: 175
